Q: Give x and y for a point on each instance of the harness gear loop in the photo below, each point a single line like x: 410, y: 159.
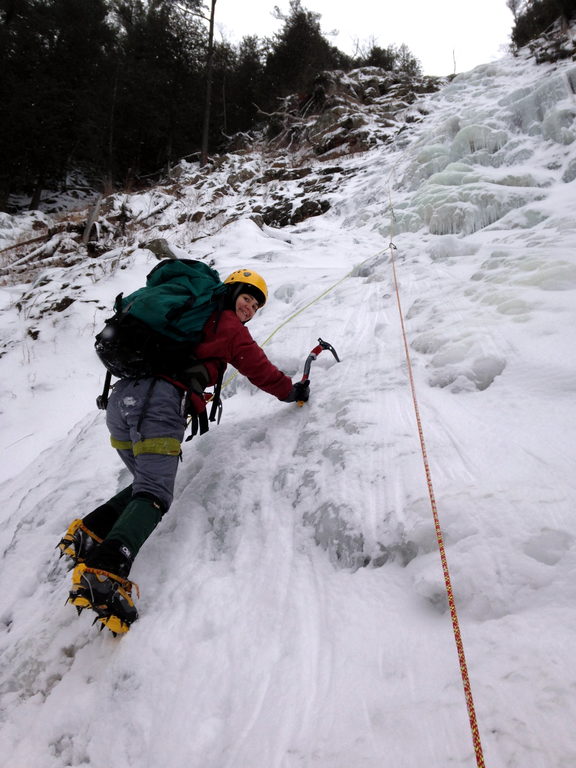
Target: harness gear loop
x: 439, y: 536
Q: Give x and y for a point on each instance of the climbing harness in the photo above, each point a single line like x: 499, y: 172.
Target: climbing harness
x: 322, y: 345
x: 439, y: 536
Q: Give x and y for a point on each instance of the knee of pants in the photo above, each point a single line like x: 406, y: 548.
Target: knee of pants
x: 155, y: 474
x: 153, y: 463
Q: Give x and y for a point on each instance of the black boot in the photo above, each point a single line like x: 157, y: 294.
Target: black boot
x: 101, y: 584
x: 84, y: 535
x: 111, y: 556
x: 101, y: 519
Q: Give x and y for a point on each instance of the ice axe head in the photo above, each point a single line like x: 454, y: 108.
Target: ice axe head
x: 325, y: 345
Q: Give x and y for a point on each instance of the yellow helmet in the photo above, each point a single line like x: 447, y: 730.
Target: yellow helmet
x: 255, y: 284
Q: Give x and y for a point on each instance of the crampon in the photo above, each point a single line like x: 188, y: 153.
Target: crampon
x: 77, y: 542
x: 108, y: 595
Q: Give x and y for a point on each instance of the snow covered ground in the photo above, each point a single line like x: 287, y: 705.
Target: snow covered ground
x: 293, y: 610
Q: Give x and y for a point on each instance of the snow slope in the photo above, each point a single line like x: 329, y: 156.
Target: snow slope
x: 293, y: 610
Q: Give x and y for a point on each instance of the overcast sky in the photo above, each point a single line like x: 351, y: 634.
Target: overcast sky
x: 437, y: 32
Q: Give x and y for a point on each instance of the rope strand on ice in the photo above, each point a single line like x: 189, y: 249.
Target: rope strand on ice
x: 439, y: 536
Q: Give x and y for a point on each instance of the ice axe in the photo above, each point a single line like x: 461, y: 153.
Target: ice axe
x: 322, y: 345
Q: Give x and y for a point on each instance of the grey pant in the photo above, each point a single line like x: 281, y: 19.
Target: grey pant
x: 147, y: 422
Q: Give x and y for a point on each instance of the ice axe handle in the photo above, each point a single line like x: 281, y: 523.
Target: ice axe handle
x: 322, y: 345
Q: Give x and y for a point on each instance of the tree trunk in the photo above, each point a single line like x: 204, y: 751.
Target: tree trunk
x: 37, y: 193
x: 208, y: 99
x: 224, y: 118
x: 109, y: 171
x: 94, y: 213
x: 4, y: 191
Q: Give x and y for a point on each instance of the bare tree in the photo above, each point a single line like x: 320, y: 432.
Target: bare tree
x: 208, y: 98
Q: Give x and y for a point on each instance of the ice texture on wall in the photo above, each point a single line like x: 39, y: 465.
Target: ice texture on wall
x: 474, y: 166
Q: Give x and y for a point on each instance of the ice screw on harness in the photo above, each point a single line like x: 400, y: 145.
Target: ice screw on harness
x: 322, y: 345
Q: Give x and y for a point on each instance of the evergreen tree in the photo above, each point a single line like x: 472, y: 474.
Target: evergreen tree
x: 53, y: 63
x: 245, y: 84
x: 536, y: 16
x: 158, y: 115
x: 118, y: 87
x: 385, y: 58
x: 406, y: 62
x: 298, y: 52
x: 392, y: 59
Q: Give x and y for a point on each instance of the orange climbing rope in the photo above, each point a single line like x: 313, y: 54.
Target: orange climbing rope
x: 449, y: 591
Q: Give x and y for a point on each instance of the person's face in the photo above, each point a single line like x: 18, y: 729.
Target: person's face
x: 246, y: 307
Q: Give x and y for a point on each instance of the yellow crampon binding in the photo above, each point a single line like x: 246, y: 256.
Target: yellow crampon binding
x: 108, y: 595
x: 68, y: 544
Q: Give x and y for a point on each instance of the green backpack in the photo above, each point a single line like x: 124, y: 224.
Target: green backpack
x: 155, y: 329
x: 177, y: 300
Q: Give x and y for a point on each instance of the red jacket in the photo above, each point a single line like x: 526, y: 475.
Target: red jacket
x: 227, y: 340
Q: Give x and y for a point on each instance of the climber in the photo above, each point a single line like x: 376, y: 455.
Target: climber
x: 146, y: 418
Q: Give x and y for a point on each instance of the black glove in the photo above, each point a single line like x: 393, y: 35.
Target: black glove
x: 300, y: 392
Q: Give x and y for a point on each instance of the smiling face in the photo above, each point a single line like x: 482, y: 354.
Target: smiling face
x: 246, y: 307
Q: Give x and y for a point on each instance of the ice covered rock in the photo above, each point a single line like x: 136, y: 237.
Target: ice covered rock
x: 456, y: 201
x: 547, y: 108
x: 472, y: 139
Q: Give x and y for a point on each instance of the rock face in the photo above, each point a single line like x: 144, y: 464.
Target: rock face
x: 282, y: 174
x: 347, y: 113
x: 558, y: 43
